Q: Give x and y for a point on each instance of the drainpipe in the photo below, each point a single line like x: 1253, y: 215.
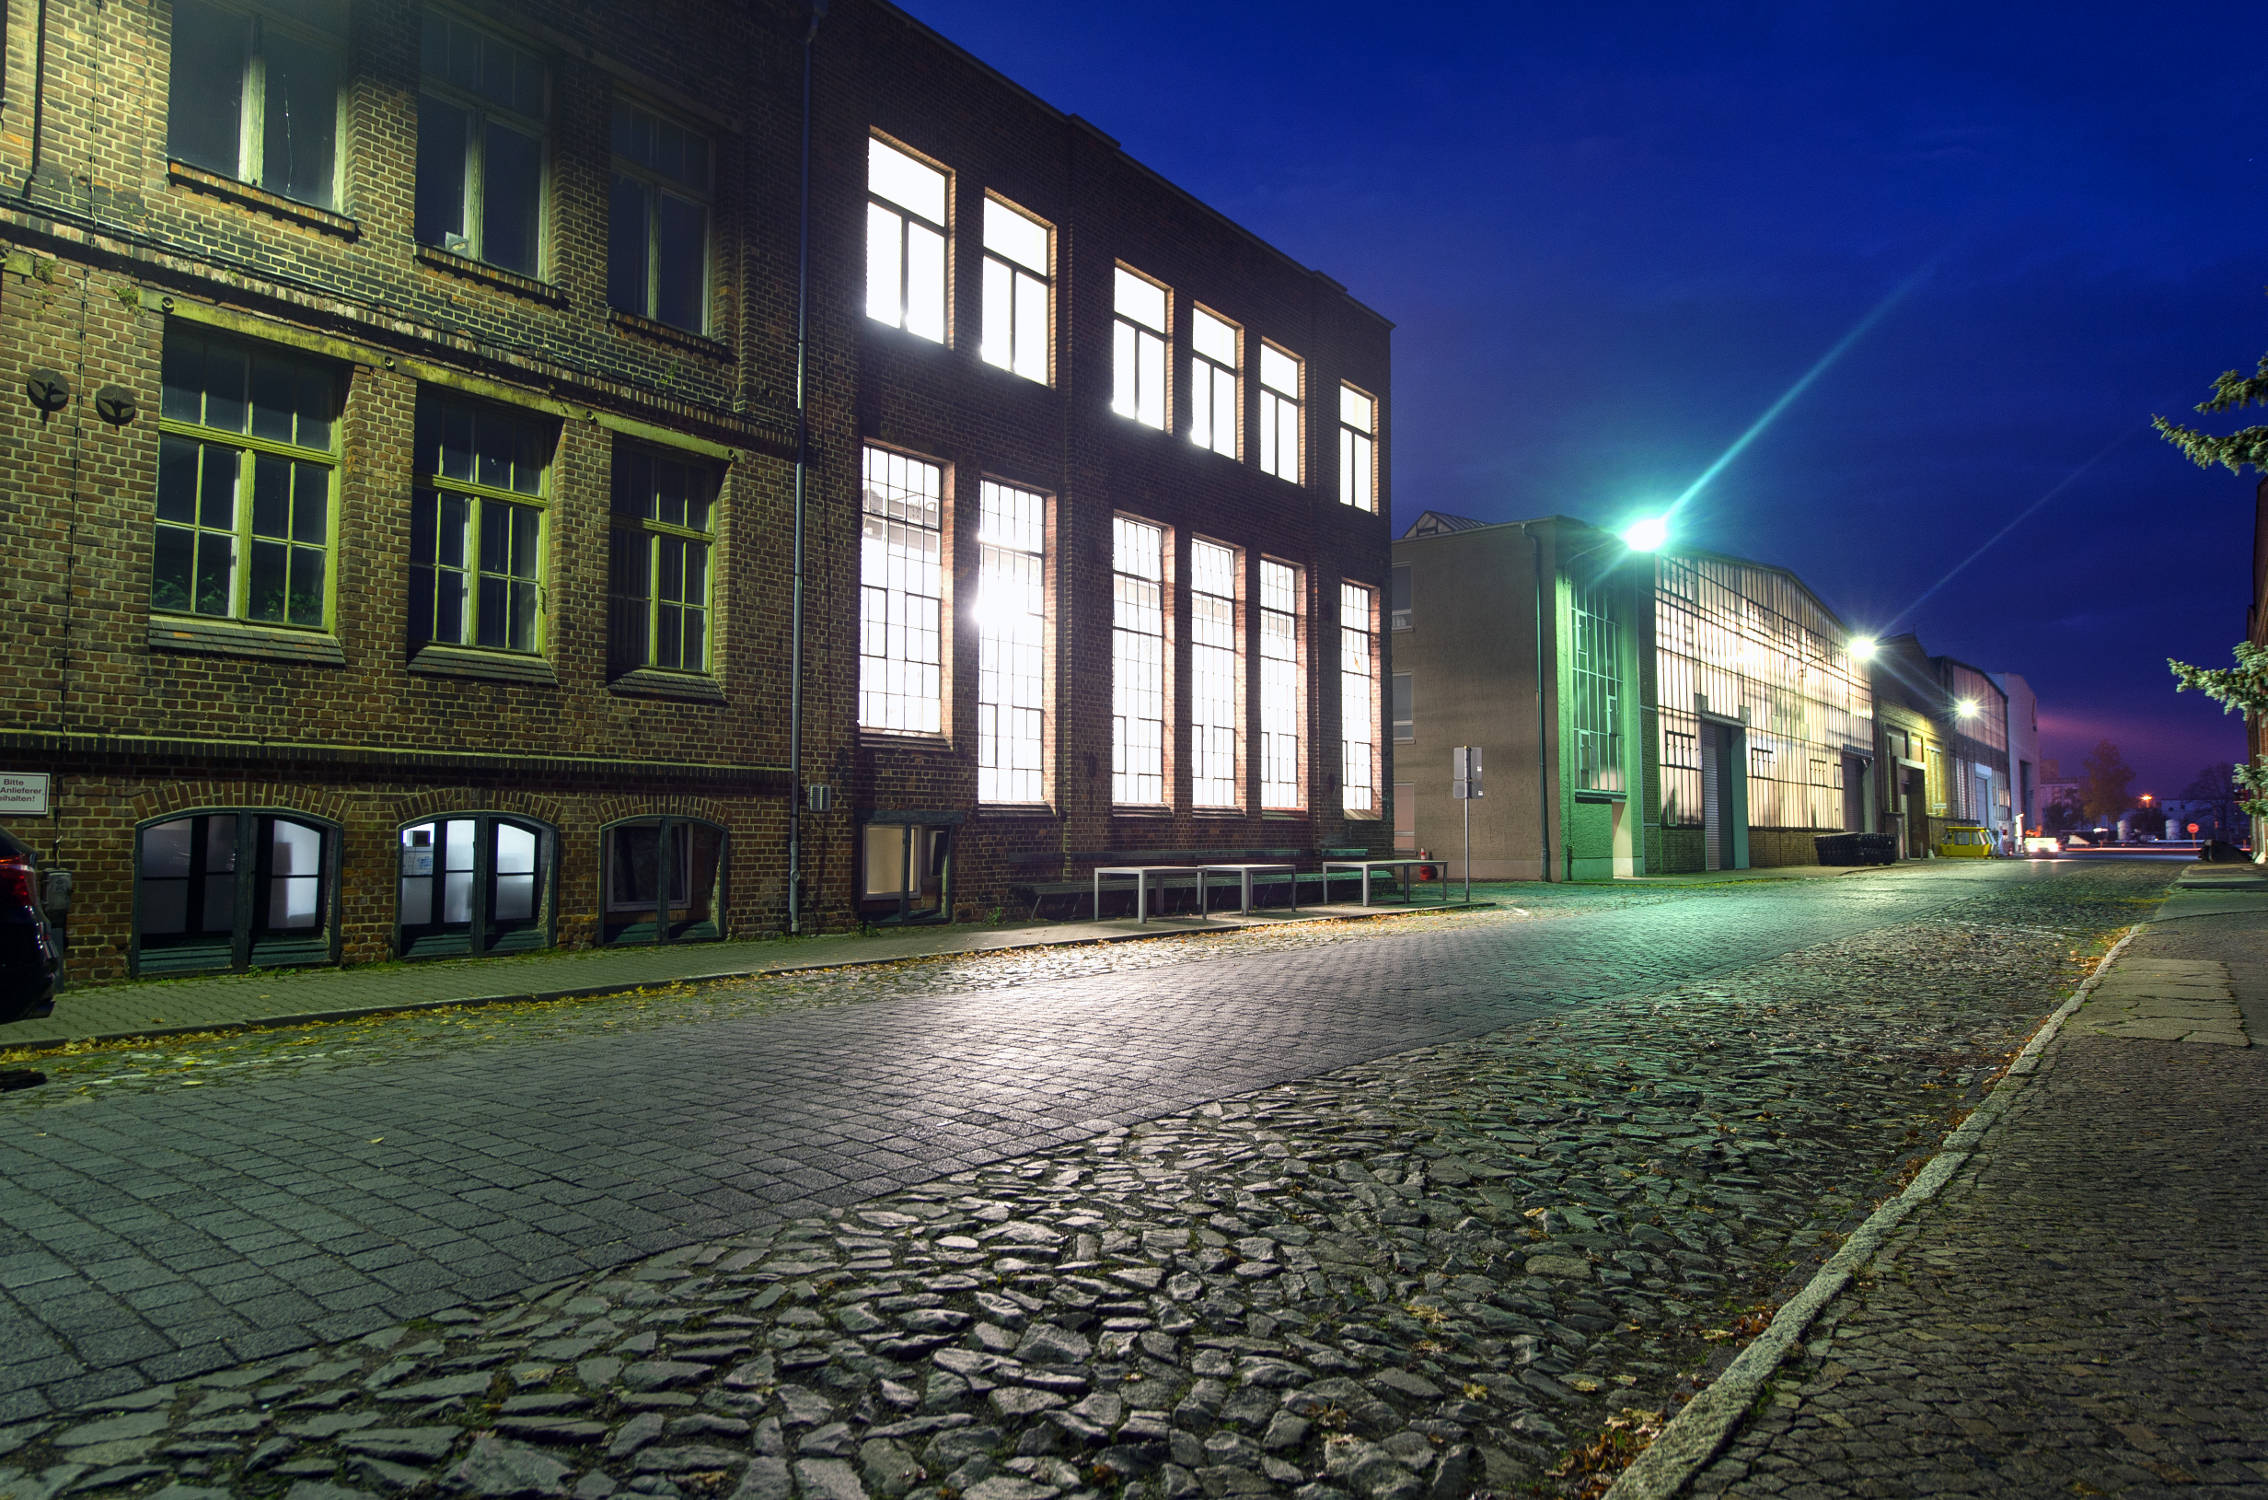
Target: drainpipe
x: 802, y: 470
x: 1543, y: 742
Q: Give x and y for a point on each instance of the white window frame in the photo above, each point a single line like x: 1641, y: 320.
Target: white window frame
x: 1216, y: 675
x: 1011, y: 620
x: 1140, y: 335
x: 1358, y: 448
x: 1283, y: 618
x: 901, y: 590
x: 1358, y: 699
x: 1216, y: 405
x: 1283, y: 380
x: 250, y: 164
x: 909, y: 237
x: 1019, y: 291
x: 1137, y: 663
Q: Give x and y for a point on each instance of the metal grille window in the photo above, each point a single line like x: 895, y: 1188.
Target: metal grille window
x: 1280, y: 621
x: 1280, y: 375
x: 1358, y: 699
x: 1213, y: 405
x: 1358, y: 457
x: 254, y: 95
x: 247, y: 456
x: 901, y: 647
x: 1011, y: 644
x: 1016, y: 291
x: 905, y: 241
x: 1216, y: 670
x: 657, y: 241
x: 1138, y: 349
x: 480, y: 145
x: 482, y: 477
x: 1597, y: 683
x: 1137, y: 663
x: 660, y: 576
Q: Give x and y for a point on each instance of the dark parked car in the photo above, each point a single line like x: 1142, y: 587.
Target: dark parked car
x: 31, y: 967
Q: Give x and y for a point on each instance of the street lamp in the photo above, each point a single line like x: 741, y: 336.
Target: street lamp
x: 1966, y: 708
x: 1862, y: 647
x: 1647, y: 534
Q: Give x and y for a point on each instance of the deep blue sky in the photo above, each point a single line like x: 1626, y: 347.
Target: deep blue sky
x: 1613, y: 236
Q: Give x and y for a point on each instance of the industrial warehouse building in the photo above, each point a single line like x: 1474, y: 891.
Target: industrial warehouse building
x: 404, y: 552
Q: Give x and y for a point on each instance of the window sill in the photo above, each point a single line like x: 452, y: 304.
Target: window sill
x: 1285, y: 814
x: 670, y: 334
x: 465, y: 661
x: 214, y: 637
x: 488, y: 275
x: 1001, y: 811
x: 260, y: 200
x: 1354, y: 815
x: 1219, y: 813
x: 652, y: 682
x: 1586, y: 794
x: 921, y: 739
x: 1142, y: 814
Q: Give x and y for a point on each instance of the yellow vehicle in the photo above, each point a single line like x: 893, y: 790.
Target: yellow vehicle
x: 1966, y: 841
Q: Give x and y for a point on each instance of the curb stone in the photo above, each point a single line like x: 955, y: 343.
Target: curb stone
x: 1693, y: 1437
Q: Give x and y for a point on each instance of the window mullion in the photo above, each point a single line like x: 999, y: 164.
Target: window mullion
x: 240, y: 519
x: 653, y: 600
x: 476, y: 172
x: 252, y: 117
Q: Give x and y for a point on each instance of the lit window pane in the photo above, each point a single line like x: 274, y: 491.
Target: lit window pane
x: 1279, y: 371
x: 912, y: 185
x: 1150, y: 380
x: 885, y: 271
x: 1008, y: 233
x: 1143, y: 301
x: 925, y: 282
x: 1031, y: 328
x: 1212, y: 338
x: 1354, y: 408
x: 999, y: 345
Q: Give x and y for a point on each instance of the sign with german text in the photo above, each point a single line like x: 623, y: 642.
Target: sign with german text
x: 23, y: 794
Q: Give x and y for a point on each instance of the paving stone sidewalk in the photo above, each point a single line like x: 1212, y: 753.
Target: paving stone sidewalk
x: 2082, y: 1311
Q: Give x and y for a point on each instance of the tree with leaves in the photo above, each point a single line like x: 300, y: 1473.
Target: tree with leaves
x: 2241, y: 687
x: 2103, y: 779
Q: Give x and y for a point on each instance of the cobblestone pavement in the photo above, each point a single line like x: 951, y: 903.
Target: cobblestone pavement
x: 2081, y: 1310
x: 1392, y: 1211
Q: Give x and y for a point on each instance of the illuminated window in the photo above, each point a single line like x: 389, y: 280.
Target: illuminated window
x: 1279, y: 413
x: 1015, y: 291
x: 1597, y: 695
x: 1138, y: 336
x: 1358, y: 428
x: 235, y: 889
x: 1137, y: 664
x: 247, y: 455
x: 657, y: 248
x: 1358, y: 699
x: 1212, y: 382
x: 905, y: 241
x: 1011, y: 625
x: 254, y: 95
x: 1280, y: 619
x: 482, y: 475
x: 1215, y: 672
x: 473, y: 884
x: 901, y: 594
x: 659, y: 576
x: 480, y: 146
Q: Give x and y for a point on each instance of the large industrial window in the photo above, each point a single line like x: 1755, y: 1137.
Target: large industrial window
x: 1597, y: 685
x: 1213, y: 382
x: 1405, y: 707
x: 1011, y: 644
x: 247, y: 456
x: 233, y: 890
x: 1016, y: 280
x: 480, y: 144
x: 1137, y: 664
x: 905, y: 241
x: 1279, y: 413
x: 474, y: 884
x: 482, y: 475
x: 663, y: 879
x: 254, y: 95
x: 1358, y: 699
x: 1138, y: 349
x: 657, y: 237
x: 1358, y: 454
x: 659, y: 576
x: 1216, y: 672
x: 901, y: 586
x: 1280, y: 621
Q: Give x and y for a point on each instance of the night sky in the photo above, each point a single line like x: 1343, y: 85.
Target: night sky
x: 1613, y: 237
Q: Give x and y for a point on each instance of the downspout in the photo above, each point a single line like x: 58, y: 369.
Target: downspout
x: 802, y: 470
x: 1543, y: 742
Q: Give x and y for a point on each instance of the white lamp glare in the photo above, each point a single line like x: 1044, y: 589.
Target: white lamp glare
x: 1646, y: 535
x: 1862, y: 648
x: 1966, y: 708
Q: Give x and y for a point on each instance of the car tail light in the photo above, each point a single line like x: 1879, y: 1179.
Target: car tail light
x: 16, y: 884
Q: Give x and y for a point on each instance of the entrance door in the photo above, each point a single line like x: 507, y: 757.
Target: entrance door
x: 1854, y: 794
x: 1712, y: 801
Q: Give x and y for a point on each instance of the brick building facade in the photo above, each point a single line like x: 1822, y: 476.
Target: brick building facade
x: 406, y: 444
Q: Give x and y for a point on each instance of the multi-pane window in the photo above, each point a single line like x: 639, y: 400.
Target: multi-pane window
x: 1279, y: 413
x: 482, y: 475
x: 659, y: 576
x: 1358, y: 455
x: 473, y: 884
x: 1011, y: 643
x: 1138, y: 349
x: 232, y: 889
x: 1137, y: 663
x: 1597, y: 682
x: 1358, y: 699
x: 247, y: 456
x: 1015, y: 291
x: 1405, y: 706
x: 1212, y: 382
x: 664, y: 881
x: 905, y: 241
x: 254, y: 95
x: 480, y: 143
x: 657, y: 236
x: 1401, y: 597
x: 1280, y: 616
x: 1215, y: 673
x: 901, y: 589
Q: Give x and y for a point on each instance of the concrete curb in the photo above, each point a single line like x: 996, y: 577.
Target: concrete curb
x: 1697, y: 1432
x: 599, y: 991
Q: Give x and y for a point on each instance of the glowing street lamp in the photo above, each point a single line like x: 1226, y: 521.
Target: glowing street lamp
x: 1646, y: 535
x: 1966, y: 708
x: 1862, y: 648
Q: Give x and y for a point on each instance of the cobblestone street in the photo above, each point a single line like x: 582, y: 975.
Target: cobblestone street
x: 1393, y: 1209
